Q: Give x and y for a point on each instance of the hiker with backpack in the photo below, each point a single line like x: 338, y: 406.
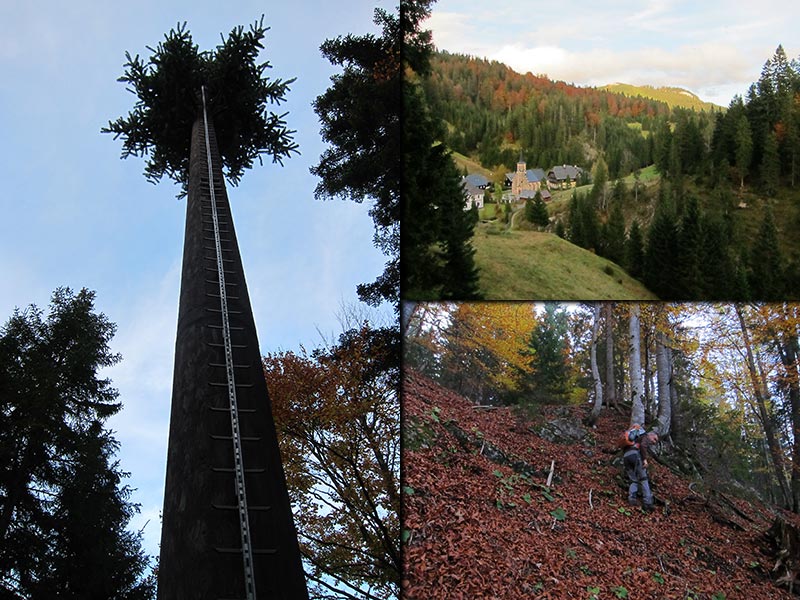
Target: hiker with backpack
x: 636, y: 445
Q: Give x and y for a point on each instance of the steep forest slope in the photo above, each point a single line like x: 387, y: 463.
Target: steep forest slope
x: 480, y: 521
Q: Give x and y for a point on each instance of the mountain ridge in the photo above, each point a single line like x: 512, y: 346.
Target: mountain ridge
x: 673, y: 96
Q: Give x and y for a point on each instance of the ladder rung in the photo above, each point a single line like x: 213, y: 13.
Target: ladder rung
x: 235, y: 366
x: 216, y: 345
x: 217, y: 282
x: 235, y: 507
x: 239, y: 550
x: 219, y: 310
x: 227, y: 409
x: 232, y: 327
x: 238, y: 385
x: 218, y: 296
x: 223, y: 270
x: 211, y: 239
x: 229, y: 438
x: 209, y: 248
x: 215, y: 258
x: 232, y: 470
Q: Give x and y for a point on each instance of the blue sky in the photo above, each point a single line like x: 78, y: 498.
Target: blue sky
x: 715, y: 49
x: 76, y: 215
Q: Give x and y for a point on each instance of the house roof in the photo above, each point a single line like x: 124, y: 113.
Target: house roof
x: 477, y: 180
x: 533, y: 175
x: 561, y: 172
x: 544, y: 192
x: 470, y: 189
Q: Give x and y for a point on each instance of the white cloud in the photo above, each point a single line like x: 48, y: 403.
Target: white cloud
x: 715, y: 49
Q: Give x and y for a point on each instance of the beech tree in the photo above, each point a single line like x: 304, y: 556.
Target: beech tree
x: 598, y: 385
x: 635, y: 366
x: 337, y: 411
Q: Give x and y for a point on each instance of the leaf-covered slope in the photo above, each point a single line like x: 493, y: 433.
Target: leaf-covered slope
x: 672, y: 96
x: 480, y: 523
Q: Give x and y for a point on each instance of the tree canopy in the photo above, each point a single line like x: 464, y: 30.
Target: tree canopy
x: 338, y: 417
x: 63, y: 510
x: 360, y: 116
x: 167, y: 85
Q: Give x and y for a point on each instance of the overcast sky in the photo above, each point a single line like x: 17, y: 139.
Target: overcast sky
x: 715, y: 49
x: 74, y: 214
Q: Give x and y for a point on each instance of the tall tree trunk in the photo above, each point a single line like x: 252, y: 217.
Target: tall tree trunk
x: 761, y: 394
x: 789, y: 349
x: 611, y: 392
x: 203, y: 548
x: 635, y: 353
x: 598, y: 385
x: 663, y: 377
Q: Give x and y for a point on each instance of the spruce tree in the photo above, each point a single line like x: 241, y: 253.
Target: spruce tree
x: 770, y: 164
x: 437, y: 258
x: 539, y: 214
x: 547, y: 376
x: 63, y: 510
x: 767, y: 263
x: 689, y: 276
x: 661, y: 253
x: 634, y: 251
x: 615, y: 234
x: 744, y: 148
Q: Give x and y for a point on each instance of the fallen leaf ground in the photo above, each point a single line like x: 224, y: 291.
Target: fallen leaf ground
x: 474, y: 527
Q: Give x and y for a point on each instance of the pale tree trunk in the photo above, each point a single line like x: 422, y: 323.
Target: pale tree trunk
x: 611, y: 393
x: 598, y: 385
x: 761, y: 394
x: 635, y: 353
x: 663, y: 378
x: 673, y: 390
x: 407, y: 308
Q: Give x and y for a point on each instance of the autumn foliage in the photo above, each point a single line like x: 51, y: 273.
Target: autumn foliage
x: 479, y: 521
x: 337, y: 417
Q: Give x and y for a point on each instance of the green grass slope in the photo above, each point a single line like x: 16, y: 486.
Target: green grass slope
x: 530, y: 265
x: 673, y: 96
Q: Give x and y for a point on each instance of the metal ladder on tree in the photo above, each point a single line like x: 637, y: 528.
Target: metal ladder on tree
x: 239, y: 471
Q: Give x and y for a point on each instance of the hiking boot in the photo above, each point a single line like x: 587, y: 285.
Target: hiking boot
x: 648, y: 508
x: 633, y: 502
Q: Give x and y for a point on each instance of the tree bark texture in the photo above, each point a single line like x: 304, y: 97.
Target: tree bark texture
x: 664, y: 379
x: 611, y: 392
x: 201, y: 540
x: 635, y: 353
x: 598, y: 385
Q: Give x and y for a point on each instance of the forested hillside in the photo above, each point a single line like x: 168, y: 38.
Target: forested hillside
x: 513, y: 482
x: 495, y: 112
x: 720, y: 220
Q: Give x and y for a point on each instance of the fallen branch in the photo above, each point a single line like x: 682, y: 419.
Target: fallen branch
x: 550, y: 476
x: 590, y: 500
x: 486, y: 407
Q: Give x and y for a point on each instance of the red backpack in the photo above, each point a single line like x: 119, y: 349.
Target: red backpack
x: 630, y: 437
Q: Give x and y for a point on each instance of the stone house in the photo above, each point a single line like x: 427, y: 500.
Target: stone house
x: 563, y: 176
